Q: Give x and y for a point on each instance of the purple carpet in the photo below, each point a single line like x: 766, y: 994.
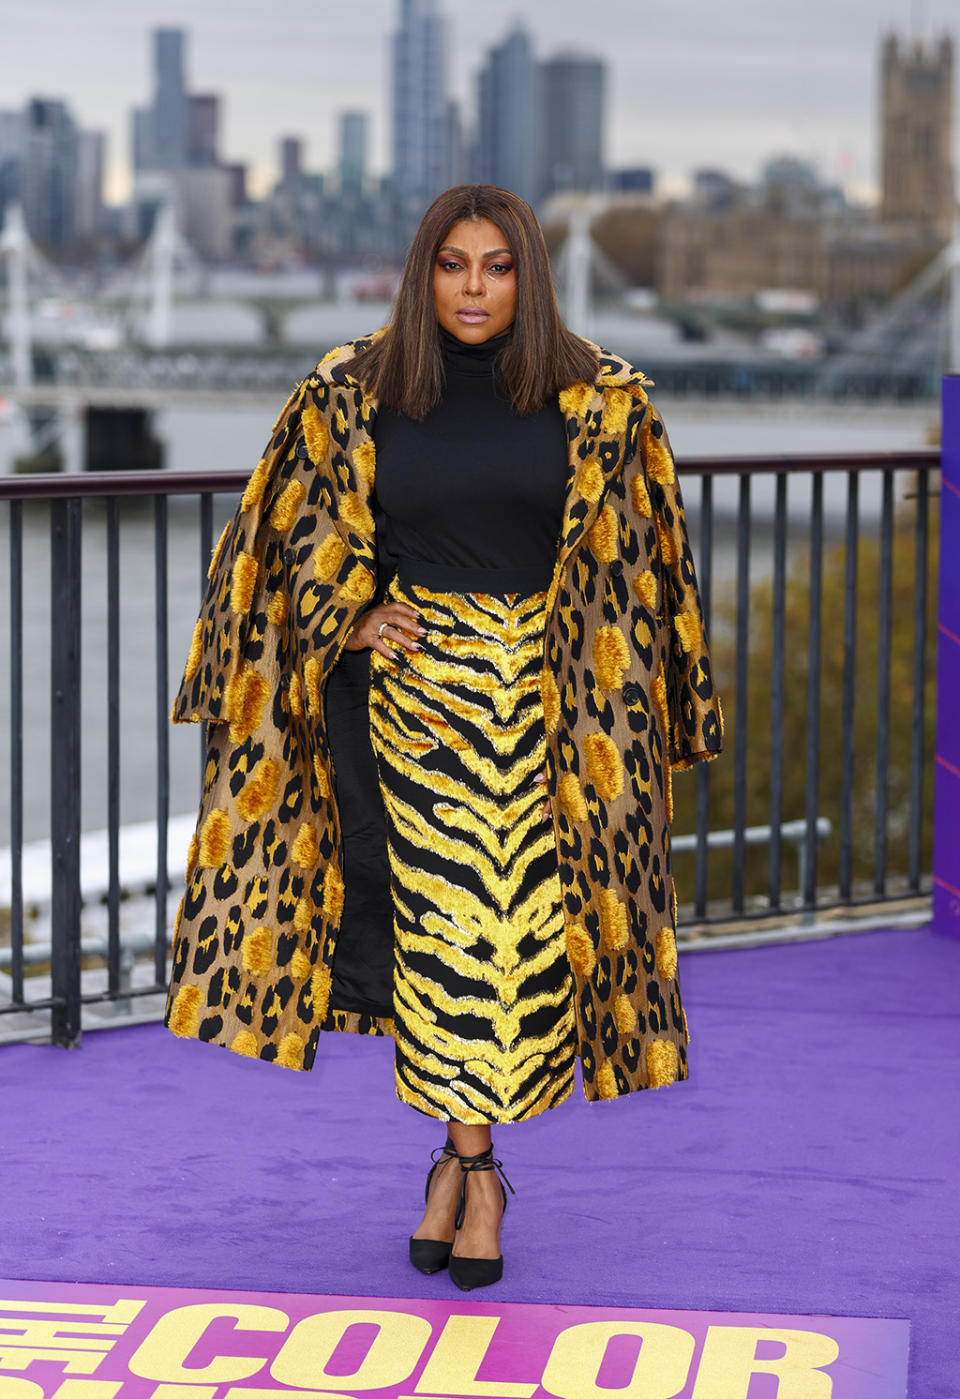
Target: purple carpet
x: 809, y: 1165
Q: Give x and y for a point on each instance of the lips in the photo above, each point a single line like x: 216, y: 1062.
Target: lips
x: 473, y: 315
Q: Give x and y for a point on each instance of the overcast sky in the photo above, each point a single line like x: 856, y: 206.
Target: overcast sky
x: 693, y: 82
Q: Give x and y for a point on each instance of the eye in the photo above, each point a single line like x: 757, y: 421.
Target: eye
x: 501, y: 267
x: 449, y: 266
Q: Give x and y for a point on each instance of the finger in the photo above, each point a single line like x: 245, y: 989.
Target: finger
x: 380, y: 639
x: 546, y: 811
x: 395, y: 638
x: 385, y: 643
x: 406, y: 616
x: 400, y: 638
x: 540, y: 777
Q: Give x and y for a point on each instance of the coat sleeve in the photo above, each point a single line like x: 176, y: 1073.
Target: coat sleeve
x: 290, y: 572
x: 221, y: 633
x: 693, y: 705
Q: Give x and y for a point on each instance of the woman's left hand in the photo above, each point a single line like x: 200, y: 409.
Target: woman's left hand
x: 545, y: 809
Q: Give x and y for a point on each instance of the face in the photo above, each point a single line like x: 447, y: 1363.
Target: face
x: 474, y: 282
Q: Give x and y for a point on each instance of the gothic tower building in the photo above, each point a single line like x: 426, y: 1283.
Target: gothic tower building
x: 916, y: 132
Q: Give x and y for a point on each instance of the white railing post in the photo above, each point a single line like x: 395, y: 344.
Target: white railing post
x: 15, y: 243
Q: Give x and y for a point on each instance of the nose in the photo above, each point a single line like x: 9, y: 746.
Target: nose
x: 474, y: 282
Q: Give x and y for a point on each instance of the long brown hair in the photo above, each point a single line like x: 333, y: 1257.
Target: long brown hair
x: 403, y: 368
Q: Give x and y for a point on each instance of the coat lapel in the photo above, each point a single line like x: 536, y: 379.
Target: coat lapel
x: 351, y: 462
x: 596, y: 417
x: 588, y: 478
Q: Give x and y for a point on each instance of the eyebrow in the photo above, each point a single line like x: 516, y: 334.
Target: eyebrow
x: 497, y: 252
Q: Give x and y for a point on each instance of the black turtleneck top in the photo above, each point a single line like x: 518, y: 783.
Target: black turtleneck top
x: 474, y: 485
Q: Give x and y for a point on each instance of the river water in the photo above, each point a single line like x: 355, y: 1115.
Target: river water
x: 210, y: 440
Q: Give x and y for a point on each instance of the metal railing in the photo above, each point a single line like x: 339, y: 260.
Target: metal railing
x: 740, y: 525
x: 918, y: 466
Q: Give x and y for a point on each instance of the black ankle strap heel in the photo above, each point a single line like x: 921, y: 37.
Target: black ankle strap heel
x: 468, y: 1273
x: 432, y: 1255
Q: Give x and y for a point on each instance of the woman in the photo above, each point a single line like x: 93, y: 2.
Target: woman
x: 452, y: 650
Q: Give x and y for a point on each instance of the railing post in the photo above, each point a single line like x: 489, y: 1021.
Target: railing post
x: 65, y: 525
x: 946, y: 800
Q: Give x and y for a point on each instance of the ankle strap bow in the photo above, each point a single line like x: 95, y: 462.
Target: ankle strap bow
x: 483, y: 1161
x: 445, y: 1152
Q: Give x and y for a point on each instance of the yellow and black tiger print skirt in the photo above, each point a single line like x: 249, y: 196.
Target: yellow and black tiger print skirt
x: 483, y: 997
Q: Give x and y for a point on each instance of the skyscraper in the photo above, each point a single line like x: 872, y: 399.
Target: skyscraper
x: 13, y: 137
x: 354, y: 144
x: 510, y: 118
x: 291, y: 159
x: 574, y: 93
x: 141, y: 137
x: 161, y: 132
x: 916, y: 118
x: 204, y: 121
x: 171, y: 122
x: 456, y: 170
x: 50, y: 172
x: 91, y: 149
x: 419, y: 99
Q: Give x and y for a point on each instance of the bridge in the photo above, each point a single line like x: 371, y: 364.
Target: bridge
x: 118, y: 348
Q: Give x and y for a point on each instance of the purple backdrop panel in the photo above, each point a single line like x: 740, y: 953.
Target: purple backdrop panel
x: 946, y: 793
x: 79, y: 1341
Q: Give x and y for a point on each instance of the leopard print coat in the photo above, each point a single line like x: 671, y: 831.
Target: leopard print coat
x: 628, y: 699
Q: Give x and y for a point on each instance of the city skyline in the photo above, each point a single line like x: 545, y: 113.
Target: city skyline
x: 756, y: 83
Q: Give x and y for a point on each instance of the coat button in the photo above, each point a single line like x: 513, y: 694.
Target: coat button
x: 302, y: 451
x: 285, y: 680
x: 631, y: 693
x: 289, y: 557
x: 616, y: 568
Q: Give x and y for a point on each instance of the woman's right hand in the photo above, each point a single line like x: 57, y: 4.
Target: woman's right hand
x: 400, y: 619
